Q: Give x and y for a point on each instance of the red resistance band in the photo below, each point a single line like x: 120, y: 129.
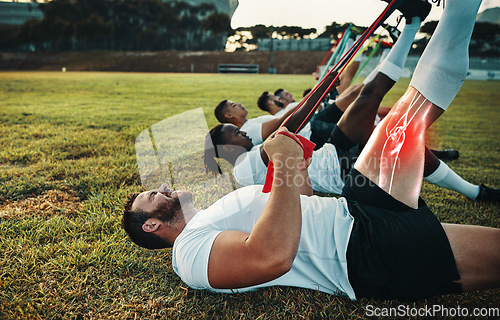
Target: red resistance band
x: 306, y: 145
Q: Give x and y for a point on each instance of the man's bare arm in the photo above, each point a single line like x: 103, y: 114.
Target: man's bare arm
x: 239, y: 259
x: 271, y: 126
x: 297, y: 118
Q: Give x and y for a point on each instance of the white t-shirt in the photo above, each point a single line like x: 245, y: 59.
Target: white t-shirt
x: 324, y: 170
x: 253, y: 128
x: 320, y: 263
x: 282, y: 112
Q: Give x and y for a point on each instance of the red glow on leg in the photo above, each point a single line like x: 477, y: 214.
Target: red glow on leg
x: 396, y: 137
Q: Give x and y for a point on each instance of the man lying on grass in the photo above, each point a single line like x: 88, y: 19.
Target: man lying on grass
x: 378, y: 240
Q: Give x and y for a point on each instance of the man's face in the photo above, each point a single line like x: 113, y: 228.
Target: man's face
x: 286, y: 97
x: 275, y: 100
x: 233, y: 136
x: 236, y: 110
x: 162, y: 203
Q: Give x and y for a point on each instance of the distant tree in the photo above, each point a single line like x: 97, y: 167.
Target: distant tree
x: 92, y: 31
x: 428, y: 28
x: 219, y: 26
x: 333, y: 31
x: 8, y: 37
x: 294, y: 32
x: 217, y: 22
x: 486, y: 31
x: 260, y: 31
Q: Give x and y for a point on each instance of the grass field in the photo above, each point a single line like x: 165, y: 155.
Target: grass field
x: 68, y: 161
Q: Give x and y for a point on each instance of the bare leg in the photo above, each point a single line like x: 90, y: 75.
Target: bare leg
x: 357, y: 121
x: 348, y: 96
x: 361, y: 113
x: 476, y: 254
x: 394, y: 155
x: 347, y: 75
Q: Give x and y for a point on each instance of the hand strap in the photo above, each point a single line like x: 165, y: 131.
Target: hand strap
x: 306, y: 145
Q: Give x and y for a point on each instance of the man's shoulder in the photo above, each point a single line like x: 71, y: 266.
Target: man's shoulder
x: 259, y: 120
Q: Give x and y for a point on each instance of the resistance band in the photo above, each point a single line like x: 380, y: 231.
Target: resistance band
x: 340, y: 48
x: 339, y: 68
x: 370, y: 56
x: 346, y: 58
x: 330, y: 51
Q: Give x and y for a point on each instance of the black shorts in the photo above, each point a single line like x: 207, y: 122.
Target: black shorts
x: 395, y: 252
x: 347, y: 151
x: 322, y: 124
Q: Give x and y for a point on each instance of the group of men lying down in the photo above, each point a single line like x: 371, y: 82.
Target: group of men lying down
x: 378, y: 239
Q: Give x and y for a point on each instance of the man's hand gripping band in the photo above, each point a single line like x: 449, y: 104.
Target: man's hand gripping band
x: 307, y: 148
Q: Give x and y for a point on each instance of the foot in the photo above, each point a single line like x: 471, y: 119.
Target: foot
x: 449, y: 154
x: 487, y: 194
x: 415, y: 8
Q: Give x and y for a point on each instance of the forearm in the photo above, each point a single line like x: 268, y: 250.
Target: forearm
x: 280, y: 223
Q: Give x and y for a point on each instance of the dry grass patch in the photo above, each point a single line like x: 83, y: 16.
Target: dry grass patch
x: 47, y: 204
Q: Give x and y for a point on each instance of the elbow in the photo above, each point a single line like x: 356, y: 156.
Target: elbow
x: 281, y: 265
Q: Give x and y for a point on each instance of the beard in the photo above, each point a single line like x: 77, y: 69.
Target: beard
x: 170, y: 213
x: 279, y: 104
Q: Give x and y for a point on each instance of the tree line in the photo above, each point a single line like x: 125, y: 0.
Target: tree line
x: 485, y: 38
x: 148, y: 25
x: 119, y: 25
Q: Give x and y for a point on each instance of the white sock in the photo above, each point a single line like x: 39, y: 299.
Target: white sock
x: 449, y: 179
x: 443, y: 66
x: 394, y: 59
x: 393, y: 64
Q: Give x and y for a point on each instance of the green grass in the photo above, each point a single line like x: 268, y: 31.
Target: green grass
x: 74, y: 133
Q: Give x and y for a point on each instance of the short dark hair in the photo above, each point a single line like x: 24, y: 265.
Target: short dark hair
x: 220, y: 110
x: 213, y: 139
x: 306, y: 92
x: 278, y: 92
x: 262, y: 101
x: 132, y: 222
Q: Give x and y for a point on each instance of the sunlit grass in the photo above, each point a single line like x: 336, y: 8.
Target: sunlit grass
x: 74, y: 133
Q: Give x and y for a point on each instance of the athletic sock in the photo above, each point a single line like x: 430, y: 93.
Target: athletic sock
x: 444, y: 177
x: 393, y: 60
x: 393, y: 65
x: 443, y: 66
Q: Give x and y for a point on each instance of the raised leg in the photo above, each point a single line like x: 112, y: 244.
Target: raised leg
x: 357, y: 121
x: 394, y: 155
